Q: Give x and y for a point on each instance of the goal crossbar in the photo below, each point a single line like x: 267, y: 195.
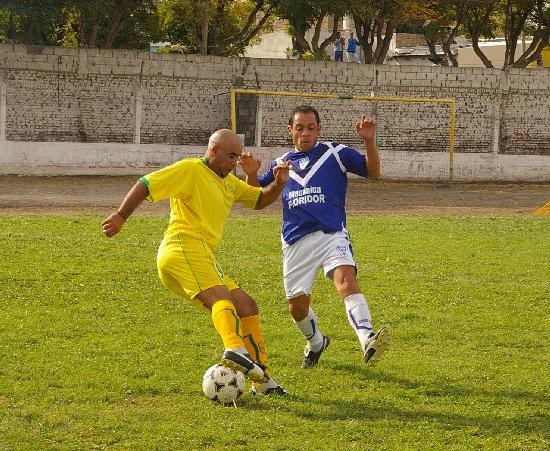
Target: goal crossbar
x: 450, y: 102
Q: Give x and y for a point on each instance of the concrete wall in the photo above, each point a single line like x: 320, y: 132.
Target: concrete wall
x: 119, y: 111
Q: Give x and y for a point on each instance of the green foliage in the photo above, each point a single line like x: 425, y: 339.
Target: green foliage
x: 96, y: 353
x: 67, y: 31
x: 31, y: 21
x: 175, y: 48
x: 7, y: 26
x: 80, y: 22
x: 227, y: 24
x: 321, y: 55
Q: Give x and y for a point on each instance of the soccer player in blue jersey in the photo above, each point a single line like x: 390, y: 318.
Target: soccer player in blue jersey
x: 314, y: 231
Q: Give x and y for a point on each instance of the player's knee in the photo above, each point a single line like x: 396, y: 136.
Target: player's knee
x: 245, y: 309
x: 298, y: 308
x: 347, y: 285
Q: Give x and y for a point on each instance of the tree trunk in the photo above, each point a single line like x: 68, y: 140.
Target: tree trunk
x: 301, y: 41
x: 120, y: 15
x: 383, y: 47
x: 91, y: 35
x: 431, y: 47
x: 316, y: 34
x: 332, y: 36
x: 32, y: 34
x: 251, y: 28
x: 204, y: 37
x: 447, y: 46
x: 254, y: 31
x: 477, y: 50
x: 365, y: 37
x: 541, y: 40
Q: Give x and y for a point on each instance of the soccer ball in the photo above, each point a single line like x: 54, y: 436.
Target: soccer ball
x: 223, y: 384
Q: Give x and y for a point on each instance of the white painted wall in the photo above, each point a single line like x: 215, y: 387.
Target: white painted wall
x: 65, y: 158
x: 494, y: 50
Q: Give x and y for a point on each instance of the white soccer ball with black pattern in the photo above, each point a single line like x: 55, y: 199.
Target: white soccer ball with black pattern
x: 223, y: 384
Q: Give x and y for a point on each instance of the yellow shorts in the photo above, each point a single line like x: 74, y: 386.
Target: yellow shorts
x: 187, y: 266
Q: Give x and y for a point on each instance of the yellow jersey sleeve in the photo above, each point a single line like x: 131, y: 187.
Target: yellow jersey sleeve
x: 246, y: 194
x: 174, y: 181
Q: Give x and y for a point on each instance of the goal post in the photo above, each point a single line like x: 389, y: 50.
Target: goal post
x: 450, y: 102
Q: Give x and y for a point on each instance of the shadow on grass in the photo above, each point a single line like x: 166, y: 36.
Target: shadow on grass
x: 446, y: 388
x: 487, y: 421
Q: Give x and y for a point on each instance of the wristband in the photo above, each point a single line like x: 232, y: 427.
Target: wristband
x: 121, y: 215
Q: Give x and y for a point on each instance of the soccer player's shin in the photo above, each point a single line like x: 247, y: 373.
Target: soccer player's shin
x: 359, y: 316
x: 227, y: 324
x: 310, y: 329
x: 255, y: 345
x: 253, y: 338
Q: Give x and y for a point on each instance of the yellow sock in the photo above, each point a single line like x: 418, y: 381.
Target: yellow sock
x: 227, y: 324
x: 253, y: 338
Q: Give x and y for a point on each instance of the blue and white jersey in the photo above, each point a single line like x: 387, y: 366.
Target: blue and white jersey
x: 314, y: 197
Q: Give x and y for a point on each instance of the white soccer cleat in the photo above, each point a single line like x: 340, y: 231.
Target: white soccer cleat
x: 376, y: 345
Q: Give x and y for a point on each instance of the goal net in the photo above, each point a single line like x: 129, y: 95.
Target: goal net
x: 414, y: 135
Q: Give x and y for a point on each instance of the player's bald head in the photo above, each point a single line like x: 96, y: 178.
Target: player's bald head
x: 226, y: 139
x: 224, y: 149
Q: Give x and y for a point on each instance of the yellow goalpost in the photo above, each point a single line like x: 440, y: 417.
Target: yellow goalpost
x: 450, y: 102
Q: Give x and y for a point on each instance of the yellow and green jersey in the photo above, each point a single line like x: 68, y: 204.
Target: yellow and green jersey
x: 200, y: 200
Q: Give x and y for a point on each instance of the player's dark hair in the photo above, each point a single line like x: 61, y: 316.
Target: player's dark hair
x: 303, y: 109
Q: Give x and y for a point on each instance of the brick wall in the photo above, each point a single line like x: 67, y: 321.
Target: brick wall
x: 78, y: 95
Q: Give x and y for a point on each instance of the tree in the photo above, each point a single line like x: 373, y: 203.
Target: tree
x: 119, y: 17
x: 218, y: 27
x: 80, y: 22
x: 304, y: 15
x: 512, y: 18
x: 376, y: 20
x: 531, y: 17
x: 480, y: 20
x: 33, y: 21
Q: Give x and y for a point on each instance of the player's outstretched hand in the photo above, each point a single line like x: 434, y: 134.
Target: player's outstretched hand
x: 112, y: 224
x: 249, y: 164
x: 366, y: 127
x: 281, y: 172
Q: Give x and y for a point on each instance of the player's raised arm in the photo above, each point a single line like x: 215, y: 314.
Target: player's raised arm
x: 113, y: 223
x: 271, y: 192
x: 250, y: 166
x: 366, y: 128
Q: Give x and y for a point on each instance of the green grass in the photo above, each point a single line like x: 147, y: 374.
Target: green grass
x: 96, y: 353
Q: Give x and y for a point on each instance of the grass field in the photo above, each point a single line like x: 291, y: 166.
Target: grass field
x: 95, y: 353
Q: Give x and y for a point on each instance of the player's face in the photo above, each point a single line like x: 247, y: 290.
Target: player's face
x: 304, y: 131
x: 226, y: 157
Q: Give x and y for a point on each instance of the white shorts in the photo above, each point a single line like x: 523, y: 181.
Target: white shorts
x: 302, y: 260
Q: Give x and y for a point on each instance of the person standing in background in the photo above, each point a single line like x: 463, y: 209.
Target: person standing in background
x: 353, y: 55
x: 339, y: 48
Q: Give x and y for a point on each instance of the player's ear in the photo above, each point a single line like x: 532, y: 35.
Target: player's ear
x: 289, y: 129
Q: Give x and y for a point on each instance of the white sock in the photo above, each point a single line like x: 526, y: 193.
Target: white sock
x: 309, y: 328
x: 241, y: 350
x: 359, y: 317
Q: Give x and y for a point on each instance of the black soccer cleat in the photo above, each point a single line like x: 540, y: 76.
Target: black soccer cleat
x: 243, y: 363
x: 311, y: 358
